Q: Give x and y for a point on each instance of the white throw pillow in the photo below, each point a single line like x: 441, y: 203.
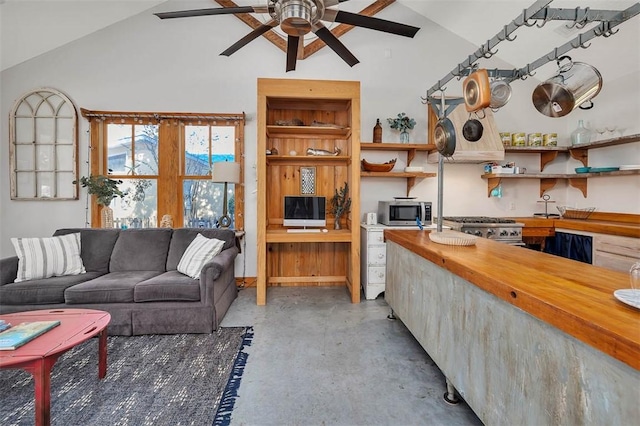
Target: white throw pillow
x: 48, y: 257
x: 200, y: 251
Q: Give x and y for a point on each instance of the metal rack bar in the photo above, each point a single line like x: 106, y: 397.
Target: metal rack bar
x: 603, y: 29
x: 580, y: 17
x: 486, y: 49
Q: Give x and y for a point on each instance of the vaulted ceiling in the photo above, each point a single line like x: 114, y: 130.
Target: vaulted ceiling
x: 30, y: 28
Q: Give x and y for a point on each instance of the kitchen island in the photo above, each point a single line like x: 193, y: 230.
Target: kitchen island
x: 525, y: 337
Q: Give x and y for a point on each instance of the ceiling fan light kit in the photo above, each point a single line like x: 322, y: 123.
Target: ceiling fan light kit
x: 297, y: 18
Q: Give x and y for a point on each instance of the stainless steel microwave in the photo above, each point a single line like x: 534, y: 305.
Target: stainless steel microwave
x: 404, y: 212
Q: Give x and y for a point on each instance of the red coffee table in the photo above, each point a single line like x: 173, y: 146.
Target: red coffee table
x: 39, y: 355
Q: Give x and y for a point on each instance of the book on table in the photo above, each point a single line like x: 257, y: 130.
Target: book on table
x: 24, y: 332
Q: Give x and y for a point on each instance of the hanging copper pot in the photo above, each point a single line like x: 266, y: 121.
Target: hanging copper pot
x: 477, y: 90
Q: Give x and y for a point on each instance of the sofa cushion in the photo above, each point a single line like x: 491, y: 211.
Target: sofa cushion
x: 170, y: 286
x: 182, y: 237
x: 96, y: 245
x: 200, y: 251
x: 141, y: 250
x: 48, y: 257
x: 114, y: 287
x: 41, y: 292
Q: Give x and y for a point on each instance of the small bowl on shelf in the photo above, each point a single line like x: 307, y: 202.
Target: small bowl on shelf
x: 583, y: 169
x: 378, y: 167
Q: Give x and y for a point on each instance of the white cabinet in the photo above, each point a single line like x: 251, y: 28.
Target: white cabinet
x: 373, y: 260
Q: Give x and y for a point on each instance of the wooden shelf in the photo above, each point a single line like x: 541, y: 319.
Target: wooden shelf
x: 549, y: 180
x: 581, y: 152
x: 549, y: 153
x: 308, y: 131
x: 411, y: 150
x: 398, y: 174
x: 331, y: 236
x: 309, y: 159
x: 370, y: 146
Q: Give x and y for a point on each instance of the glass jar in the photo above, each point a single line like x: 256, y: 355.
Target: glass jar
x: 581, y: 134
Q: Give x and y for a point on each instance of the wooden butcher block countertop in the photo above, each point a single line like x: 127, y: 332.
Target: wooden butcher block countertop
x: 620, y: 224
x: 574, y: 297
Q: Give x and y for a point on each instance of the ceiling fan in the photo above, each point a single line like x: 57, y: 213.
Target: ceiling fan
x: 297, y: 18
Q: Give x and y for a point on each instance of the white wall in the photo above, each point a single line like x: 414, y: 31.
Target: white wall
x: 146, y: 64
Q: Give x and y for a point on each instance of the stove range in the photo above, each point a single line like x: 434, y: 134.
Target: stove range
x: 494, y: 228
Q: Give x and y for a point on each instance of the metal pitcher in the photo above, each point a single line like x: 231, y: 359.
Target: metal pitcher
x: 573, y: 87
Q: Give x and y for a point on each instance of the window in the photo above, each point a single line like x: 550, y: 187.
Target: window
x: 43, y: 147
x: 164, y: 162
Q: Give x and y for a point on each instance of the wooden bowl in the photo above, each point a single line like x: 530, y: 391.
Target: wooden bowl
x: 377, y: 167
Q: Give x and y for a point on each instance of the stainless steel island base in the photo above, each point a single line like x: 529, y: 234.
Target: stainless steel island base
x: 509, y: 366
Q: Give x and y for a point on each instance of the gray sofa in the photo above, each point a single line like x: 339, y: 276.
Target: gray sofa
x: 132, y: 275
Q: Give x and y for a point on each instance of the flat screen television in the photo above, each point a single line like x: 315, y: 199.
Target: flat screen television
x: 304, y: 211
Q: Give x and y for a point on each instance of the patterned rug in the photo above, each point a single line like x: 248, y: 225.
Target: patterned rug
x: 182, y: 379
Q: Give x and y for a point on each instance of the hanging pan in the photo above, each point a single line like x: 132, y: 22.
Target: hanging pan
x: 500, y: 94
x: 445, y: 133
x: 472, y: 129
x: 476, y: 90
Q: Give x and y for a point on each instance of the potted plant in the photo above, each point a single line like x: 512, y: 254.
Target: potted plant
x: 402, y: 123
x: 105, y: 189
x: 340, y: 204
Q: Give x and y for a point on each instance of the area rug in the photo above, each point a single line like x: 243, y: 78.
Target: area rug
x: 182, y: 379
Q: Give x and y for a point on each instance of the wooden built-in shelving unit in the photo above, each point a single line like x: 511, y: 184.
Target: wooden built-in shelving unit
x: 302, y: 259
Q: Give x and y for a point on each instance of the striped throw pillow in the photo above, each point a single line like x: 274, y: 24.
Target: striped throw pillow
x: 48, y: 257
x: 200, y: 251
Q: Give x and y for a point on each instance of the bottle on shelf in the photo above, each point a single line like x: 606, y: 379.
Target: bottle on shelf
x: 377, y: 132
x: 581, y: 134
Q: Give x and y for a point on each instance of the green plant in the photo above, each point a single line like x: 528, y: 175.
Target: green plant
x: 103, y: 187
x: 341, y: 202
x: 402, y: 122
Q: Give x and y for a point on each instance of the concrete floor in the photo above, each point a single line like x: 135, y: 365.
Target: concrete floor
x: 317, y: 359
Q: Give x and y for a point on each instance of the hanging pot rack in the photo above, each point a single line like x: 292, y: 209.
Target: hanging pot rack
x: 529, y: 17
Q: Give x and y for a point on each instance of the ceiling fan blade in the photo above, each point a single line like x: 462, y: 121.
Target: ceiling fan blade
x: 329, y: 3
x: 249, y: 38
x: 336, y: 45
x: 370, y: 22
x: 212, y: 11
x: 292, y: 52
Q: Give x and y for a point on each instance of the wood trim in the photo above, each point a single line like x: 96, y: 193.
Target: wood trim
x: 96, y: 143
x: 170, y: 151
x: 157, y: 116
x: 315, y: 45
x: 169, y: 160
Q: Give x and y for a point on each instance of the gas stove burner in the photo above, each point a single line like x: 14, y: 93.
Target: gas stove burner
x: 477, y: 219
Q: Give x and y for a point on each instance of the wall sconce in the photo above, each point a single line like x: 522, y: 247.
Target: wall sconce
x: 225, y: 172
